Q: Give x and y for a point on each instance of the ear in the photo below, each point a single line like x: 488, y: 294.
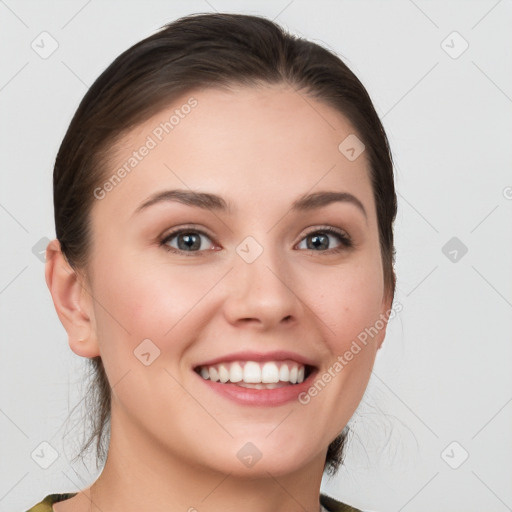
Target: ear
x: 387, y: 303
x: 72, y: 301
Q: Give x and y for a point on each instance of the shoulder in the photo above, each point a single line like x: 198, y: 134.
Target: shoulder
x: 46, y: 504
x: 333, y: 505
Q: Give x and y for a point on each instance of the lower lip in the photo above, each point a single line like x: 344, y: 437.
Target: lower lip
x: 260, y: 397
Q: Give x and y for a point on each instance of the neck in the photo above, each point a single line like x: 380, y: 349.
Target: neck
x: 139, y: 475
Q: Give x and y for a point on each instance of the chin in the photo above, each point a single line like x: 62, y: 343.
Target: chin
x: 259, y: 458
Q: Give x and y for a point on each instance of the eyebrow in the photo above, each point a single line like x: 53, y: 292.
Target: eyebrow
x: 214, y: 202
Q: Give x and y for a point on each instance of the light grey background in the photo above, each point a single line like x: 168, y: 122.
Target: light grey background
x: 444, y: 373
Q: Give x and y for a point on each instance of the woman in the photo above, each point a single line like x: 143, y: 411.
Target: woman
x: 224, y: 207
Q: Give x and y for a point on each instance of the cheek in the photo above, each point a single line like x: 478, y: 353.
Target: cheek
x: 149, y: 299
x: 136, y: 302
x: 349, y: 301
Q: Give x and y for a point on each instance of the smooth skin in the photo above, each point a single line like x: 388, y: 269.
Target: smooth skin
x: 174, y: 441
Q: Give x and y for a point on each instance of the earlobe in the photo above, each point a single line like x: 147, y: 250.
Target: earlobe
x: 73, y: 303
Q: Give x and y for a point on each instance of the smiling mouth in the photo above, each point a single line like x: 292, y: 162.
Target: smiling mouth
x: 256, y: 375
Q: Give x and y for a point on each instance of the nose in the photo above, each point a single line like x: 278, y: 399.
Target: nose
x: 262, y: 293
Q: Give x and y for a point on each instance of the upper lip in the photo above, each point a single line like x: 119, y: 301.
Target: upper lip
x: 277, y: 355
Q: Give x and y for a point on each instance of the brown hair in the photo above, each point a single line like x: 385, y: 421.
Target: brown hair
x: 201, y: 51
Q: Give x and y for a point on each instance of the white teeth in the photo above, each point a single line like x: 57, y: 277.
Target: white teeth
x: 252, y: 386
x: 236, y: 373
x: 214, y: 374
x: 252, y: 372
x: 269, y: 375
x: 263, y: 386
x: 223, y: 373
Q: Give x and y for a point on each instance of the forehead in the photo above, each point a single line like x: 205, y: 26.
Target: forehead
x: 247, y: 144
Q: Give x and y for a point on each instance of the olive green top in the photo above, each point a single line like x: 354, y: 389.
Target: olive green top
x: 329, y: 503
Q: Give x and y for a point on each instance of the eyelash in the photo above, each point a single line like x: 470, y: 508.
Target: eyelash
x: 345, y: 241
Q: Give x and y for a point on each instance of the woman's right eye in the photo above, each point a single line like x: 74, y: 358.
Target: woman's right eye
x: 185, y: 241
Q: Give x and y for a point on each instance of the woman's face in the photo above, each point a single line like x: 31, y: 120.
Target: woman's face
x: 254, y: 276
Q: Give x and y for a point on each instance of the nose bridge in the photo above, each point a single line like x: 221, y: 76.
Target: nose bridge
x: 259, y: 285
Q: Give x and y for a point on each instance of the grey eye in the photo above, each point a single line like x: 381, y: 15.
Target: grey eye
x: 188, y: 241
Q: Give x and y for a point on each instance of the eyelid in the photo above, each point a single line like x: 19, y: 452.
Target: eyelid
x: 186, y: 227
x: 326, y: 229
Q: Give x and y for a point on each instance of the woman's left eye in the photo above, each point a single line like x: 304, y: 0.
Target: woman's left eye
x: 320, y: 239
